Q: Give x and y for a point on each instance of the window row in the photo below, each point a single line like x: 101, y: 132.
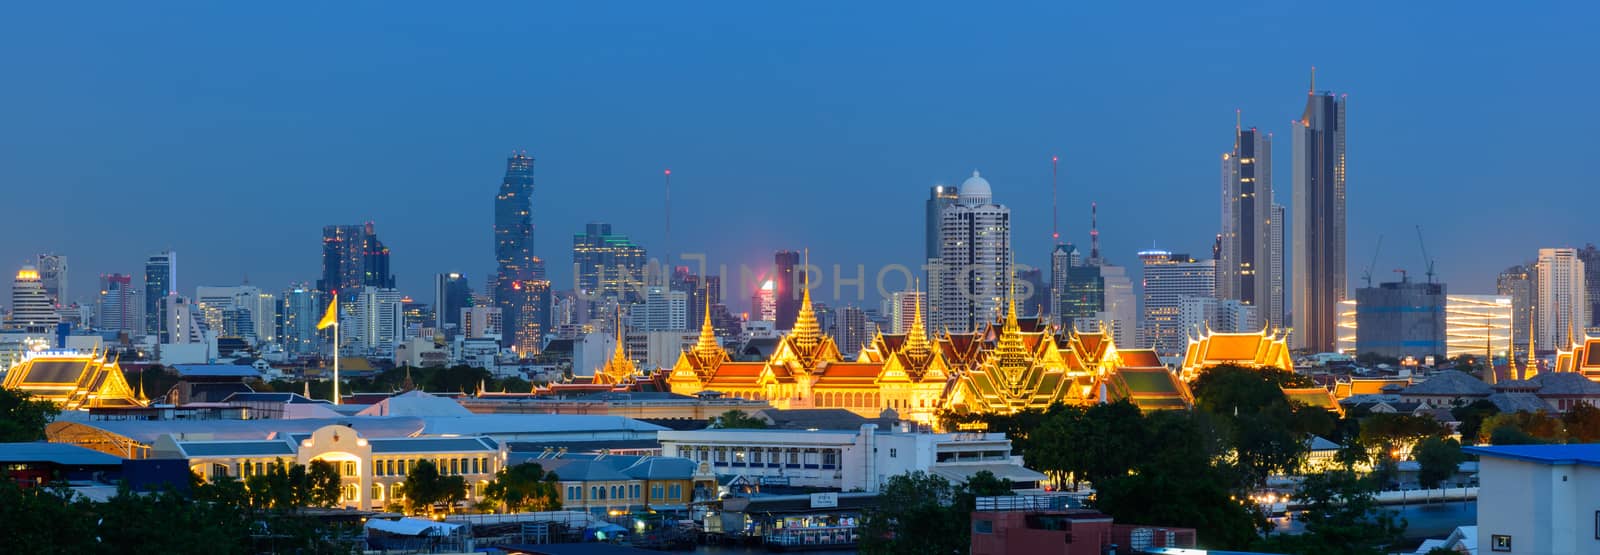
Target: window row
x: 455, y: 466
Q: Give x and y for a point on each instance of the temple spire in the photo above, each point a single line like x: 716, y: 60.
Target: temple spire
x: 1533, y: 365
x: 917, y: 336
x: 1511, y: 353
x: 708, y: 345
x: 806, y: 333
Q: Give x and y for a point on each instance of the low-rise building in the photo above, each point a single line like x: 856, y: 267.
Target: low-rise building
x: 847, y: 460
x: 372, y: 471
x: 1043, y: 525
x: 601, y: 484
x: 1538, y: 499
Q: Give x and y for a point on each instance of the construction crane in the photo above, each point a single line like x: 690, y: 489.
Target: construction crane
x: 1367, y: 274
x: 1428, y: 261
x: 1402, y: 272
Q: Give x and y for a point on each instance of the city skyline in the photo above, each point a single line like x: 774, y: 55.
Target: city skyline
x: 612, y: 172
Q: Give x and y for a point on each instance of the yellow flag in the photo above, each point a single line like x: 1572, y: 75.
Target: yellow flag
x: 331, y: 317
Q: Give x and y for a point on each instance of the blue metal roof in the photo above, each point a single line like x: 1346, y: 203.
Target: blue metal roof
x: 271, y: 448
x: 428, y: 445
x: 58, y: 453
x: 216, y: 370
x: 1587, y: 454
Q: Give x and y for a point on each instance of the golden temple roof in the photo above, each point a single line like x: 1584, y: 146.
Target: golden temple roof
x: 1250, y: 349
x: 76, y: 381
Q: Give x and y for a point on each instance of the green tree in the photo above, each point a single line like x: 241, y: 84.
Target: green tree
x: 916, y: 515
x: 1438, y: 459
x: 1342, y: 517
x: 524, y: 487
x: 1267, y: 433
x: 737, y: 419
x: 1582, y: 423
x: 1177, y: 482
x: 1471, y: 417
x: 23, y: 418
x: 1522, y: 427
x: 425, y: 487
x: 45, y: 520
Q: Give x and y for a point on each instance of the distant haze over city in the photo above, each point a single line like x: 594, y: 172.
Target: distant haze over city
x: 232, y: 136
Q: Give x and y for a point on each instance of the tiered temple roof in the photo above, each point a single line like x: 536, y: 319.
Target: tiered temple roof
x: 1007, y: 366
x: 76, y: 381
x: 1249, y: 349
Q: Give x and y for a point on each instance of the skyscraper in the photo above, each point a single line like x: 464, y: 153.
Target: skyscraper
x: 1245, y: 270
x: 31, y: 309
x: 972, y: 274
x: 903, y: 309
x: 1561, y: 297
x: 116, y: 311
x: 53, y: 274
x: 1168, y: 278
x: 1319, y: 220
x: 939, y: 198
x: 1520, y: 284
x: 376, y: 320
x: 851, y: 330
x: 451, y: 293
x: 1591, y: 284
x: 519, y: 287
x: 787, y: 294
x: 608, y: 266
x: 1276, y: 314
x: 160, y: 280
x: 299, y: 315
x: 353, y: 257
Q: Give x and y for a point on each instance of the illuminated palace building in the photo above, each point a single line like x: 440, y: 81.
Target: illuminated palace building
x: 1003, y: 367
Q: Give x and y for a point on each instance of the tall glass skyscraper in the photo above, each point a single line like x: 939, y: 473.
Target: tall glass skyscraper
x: 451, y: 293
x: 973, y: 269
x: 1245, y: 266
x: 1319, y: 221
x: 353, y: 257
x: 298, y: 316
x: 160, y: 280
x: 519, y: 287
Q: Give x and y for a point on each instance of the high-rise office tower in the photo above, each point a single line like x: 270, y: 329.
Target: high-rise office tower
x: 787, y: 292
x: 1319, y: 220
x: 851, y: 330
x: 31, y: 309
x: 973, y: 270
x: 1244, y: 264
x: 1168, y: 278
x: 939, y: 198
x: 609, y: 267
x: 160, y: 281
x: 481, y: 321
x: 663, y: 310
x: 53, y: 274
x: 1591, y: 285
x: 375, y: 321
x: 1278, y: 313
x: 1520, y: 284
x: 353, y: 257
x: 519, y: 287
x: 1033, y: 295
x: 903, y: 306
x: 299, y: 315
x: 226, y: 310
x: 116, y: 311
x: 451, y: 293
x: 374, y: 260
x: 1561, y: 297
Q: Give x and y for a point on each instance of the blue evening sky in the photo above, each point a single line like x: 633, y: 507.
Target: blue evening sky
x: 232, y: 131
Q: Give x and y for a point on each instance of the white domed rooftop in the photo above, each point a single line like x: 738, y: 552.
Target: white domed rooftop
x: 975, y: 190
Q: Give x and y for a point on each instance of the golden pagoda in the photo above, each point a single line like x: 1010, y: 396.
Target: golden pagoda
x: 1022, y: 371
x: 620, y: 368
x: 75, y: 381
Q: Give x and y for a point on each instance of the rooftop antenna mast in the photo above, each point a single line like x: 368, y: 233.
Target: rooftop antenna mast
x: 667, y: 175
x: 1428, y: 261
x: 1366, y: 275
x: 1055, y: 218
x: 1094, y: 233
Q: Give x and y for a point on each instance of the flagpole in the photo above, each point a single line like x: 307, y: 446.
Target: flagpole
x: 336, y: 356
